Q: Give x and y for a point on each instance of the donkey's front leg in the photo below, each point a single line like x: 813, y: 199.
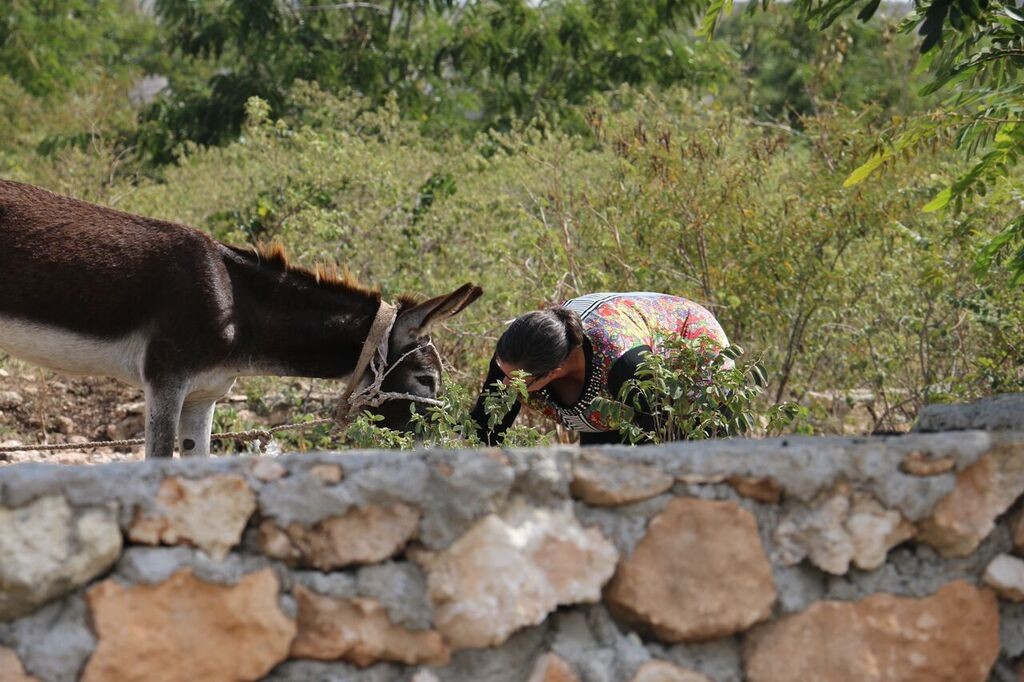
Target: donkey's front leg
x: 195, y: 426
x: 163, y: 406
x: 197, y: 416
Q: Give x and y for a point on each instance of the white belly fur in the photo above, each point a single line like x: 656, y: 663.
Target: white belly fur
x: 71, y: 353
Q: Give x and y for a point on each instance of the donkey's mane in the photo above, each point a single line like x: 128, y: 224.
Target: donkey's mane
x: 326, y: 275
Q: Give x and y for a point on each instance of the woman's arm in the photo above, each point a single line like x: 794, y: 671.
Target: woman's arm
x: 479, y: 415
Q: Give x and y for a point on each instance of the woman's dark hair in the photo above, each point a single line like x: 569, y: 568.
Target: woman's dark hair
x: 540, y: 341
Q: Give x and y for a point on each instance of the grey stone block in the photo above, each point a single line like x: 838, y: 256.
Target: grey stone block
x: 402, y: 588
x: 55, y: 641
x: 318, y: 671
x: 994, y: 413
x: 719, y: 659
x: 510, y: 662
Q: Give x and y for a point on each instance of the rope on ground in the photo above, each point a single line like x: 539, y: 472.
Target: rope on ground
x: 73, y: 446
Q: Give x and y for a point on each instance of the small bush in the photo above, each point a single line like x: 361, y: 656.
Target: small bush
x: 693, y: 392
x: 449, y: 425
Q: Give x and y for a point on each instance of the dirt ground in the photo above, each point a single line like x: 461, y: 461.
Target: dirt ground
x: 36, y: 407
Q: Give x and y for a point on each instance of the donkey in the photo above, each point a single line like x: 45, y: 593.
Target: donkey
x: 86, y: 289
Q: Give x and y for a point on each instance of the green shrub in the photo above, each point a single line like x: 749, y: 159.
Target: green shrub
x: 449, y: 425
x: 694, y: 392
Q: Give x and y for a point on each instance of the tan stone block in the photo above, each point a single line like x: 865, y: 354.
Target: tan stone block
x: 511, y: 571
x: 266, y: 469
x: 919, y: 463
x: 552, y: 668
x: 363, y: 535
x: 699, y: 572
x: 187, y: 630
x: 359, y: 630
x: 603, y: 481
x: 276, y: 543
x: 840, y: 527
x: 663, y: 671
x: 874, y: 530
x: 951, y: 636
x: 328, y: 473
x: 701, y: 479
x: 765, y: 490
x: 11, y: 669
x: 209, y: 513
x: 984, y: 490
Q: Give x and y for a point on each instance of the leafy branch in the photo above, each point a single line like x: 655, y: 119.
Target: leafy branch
x: 693, y: 392
x: 974, y: 50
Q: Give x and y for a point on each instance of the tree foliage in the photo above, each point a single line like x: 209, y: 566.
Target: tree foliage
x: 789, y: 69
x: 470, y: 64
x: 49, y: 45
x: 974, y: 51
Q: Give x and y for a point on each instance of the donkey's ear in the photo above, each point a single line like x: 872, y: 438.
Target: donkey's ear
x: 416, y: 321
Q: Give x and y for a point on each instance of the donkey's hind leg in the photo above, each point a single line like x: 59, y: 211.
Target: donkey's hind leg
x: 163, y: 406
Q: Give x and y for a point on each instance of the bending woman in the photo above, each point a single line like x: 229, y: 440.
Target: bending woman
x: 589, y: 347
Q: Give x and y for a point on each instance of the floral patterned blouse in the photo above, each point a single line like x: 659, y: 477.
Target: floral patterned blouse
x: 618, y: 328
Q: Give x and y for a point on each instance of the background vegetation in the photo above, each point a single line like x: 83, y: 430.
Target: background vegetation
x: 548, y: 149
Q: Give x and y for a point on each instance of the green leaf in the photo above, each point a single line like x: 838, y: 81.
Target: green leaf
x: 865, y: 169
x: 716, y: 10
x: 940, y: 201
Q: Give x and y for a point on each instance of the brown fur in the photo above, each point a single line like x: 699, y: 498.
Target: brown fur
x: 325, y: 274
x: 110, y: 273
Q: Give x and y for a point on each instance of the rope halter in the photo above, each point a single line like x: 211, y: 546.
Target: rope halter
x: 373, y: 360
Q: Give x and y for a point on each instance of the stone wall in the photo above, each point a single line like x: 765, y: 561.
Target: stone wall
x: 889, y: 558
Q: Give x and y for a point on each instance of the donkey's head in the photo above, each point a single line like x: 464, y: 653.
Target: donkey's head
x: 413, y: 363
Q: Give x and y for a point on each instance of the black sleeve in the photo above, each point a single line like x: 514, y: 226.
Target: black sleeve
x: 490, y: 436
x: 621, y: 371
